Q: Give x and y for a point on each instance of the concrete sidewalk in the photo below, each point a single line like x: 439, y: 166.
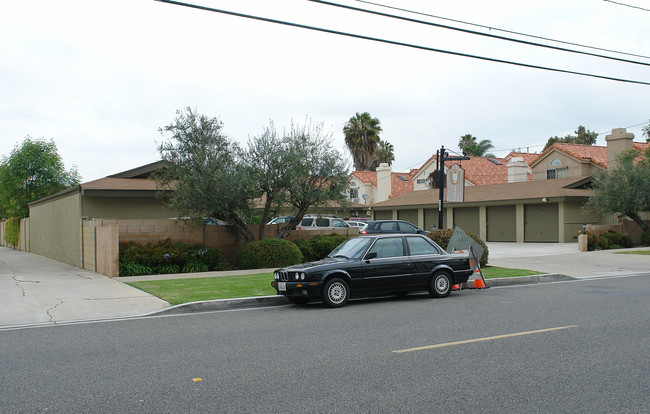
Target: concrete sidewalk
x: 565, y: 259
x: 35, y: 289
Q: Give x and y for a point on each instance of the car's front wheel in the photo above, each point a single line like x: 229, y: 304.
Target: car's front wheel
x: 335, y: 293
x: 440, y: 285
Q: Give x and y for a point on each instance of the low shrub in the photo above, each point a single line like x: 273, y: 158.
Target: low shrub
x: 319, y: 247
x: 616, y: 239
x: 645, y: 238
x: 166, y: 257
x: 268, y: 253
x: 609, y: 240
x: 134, y: 269
x: 195, y: 267
x: 442, y: 237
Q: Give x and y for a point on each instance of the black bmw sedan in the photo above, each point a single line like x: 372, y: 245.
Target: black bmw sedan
x: 391, y: 263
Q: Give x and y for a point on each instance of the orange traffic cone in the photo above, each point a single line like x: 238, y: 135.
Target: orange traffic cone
x: 478, y: 283
x: 455, y: 287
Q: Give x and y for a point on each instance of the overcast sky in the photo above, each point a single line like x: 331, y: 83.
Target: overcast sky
x: 100, y: 78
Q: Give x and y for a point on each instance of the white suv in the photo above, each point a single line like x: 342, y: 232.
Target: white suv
x: 313, y: 222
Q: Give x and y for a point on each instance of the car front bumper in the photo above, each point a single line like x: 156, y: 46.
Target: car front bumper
x: 297, y: 289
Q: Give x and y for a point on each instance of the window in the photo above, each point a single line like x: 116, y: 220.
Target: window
x: 322, y: 222
x: 556, y: 173
x: 419, y: 246
x: 407, y: 228
x: 555, y: 162
x: 421, y: 180
x: 389, y: 226
x: 338, y: 223
x: 354, y: 193
x: 388, y: 247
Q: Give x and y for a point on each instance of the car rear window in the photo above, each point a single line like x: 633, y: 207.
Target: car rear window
x: 307, y: 222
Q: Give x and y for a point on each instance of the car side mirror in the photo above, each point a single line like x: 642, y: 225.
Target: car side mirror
x: 371, y: 255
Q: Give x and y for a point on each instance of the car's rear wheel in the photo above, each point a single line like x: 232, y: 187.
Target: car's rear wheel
x: 298, y: 300
x: 440, y: 285
x: 335, y: 293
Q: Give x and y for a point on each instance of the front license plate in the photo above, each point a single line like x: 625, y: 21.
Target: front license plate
x: 282, y: 286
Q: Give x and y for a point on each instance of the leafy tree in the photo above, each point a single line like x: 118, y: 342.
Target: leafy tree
x: 32, y: 171
x: 362, y: 137
x: 623, y: 189
x: 384, y: 153
x: 267, y: 160
x: 582, y: 136
x: 470, y: 145
x: 318, y: 173
x: 433, y: 180
x: 646, y: 131
x: 205, y: 171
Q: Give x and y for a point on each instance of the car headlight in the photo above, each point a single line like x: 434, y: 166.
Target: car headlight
x: 302, y: 276
x: 276, y: 276
x: 296, y: 276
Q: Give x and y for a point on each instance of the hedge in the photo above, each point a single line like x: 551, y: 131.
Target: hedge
x: 268, y: 253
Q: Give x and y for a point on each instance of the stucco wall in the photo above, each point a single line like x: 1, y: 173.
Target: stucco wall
x: 55, y: 229
x: 125, y: 208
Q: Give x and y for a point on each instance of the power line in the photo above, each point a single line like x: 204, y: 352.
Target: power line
x: 627, y: 5
x: 474, y: 32
x: 504, y: 30
x: 392, y: 42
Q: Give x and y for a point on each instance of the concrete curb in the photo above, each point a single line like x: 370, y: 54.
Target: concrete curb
x: 527, y: 280
x: 223, y: 304
x: 277, y: 300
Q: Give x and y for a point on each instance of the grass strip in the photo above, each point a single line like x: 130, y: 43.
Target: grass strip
x: 493, y: 272
x: 641, y: 252
x: 177, y: 291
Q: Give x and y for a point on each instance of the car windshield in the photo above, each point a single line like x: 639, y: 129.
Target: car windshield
x: 351, y: 248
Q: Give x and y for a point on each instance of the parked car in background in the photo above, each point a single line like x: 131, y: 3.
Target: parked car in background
x: 377, y: 264
x: 357, y: 224
x: 280, y: 220
x: 392, y: 226
x: 324, y: 222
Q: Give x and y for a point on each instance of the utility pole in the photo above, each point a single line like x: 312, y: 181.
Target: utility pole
x: 441, y: 202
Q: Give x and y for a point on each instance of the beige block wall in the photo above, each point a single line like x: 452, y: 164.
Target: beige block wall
x: 55, y: 229
x: 107, y: 250
x: 125, y: 208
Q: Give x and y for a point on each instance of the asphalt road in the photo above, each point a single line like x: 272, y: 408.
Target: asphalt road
x: 574, y: 347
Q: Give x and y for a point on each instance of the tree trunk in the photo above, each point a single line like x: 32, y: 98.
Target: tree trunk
x: 638, y: 220
x: 242, y: 228
x: 265, y: 216
x: 284, y: 231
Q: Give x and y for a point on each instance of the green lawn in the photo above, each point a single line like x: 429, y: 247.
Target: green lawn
x: 491, y: 272
x: 176, y: 291
x: 643, y: 252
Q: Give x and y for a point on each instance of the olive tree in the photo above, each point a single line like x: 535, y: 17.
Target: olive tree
x: 623, y: 189
x: 317, y: 172
x: 203, y: 168
x: 266, y: 159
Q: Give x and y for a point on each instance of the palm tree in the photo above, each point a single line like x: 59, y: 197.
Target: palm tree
x: 385, y: 153
x: 469, y: 145
x: 362, y: 137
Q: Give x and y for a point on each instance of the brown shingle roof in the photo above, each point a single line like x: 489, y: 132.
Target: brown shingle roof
x: 109, y: 183
x: 494, y: 192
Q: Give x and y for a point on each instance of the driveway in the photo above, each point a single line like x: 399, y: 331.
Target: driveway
x: 35, y: 289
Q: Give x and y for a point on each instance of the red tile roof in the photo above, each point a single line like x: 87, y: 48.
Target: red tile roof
x: 398, y: 186
x: 528, y: 157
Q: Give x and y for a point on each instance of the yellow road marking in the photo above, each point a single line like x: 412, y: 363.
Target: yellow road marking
x: 488, y: 338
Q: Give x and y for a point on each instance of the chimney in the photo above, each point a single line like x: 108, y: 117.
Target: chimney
x: 517, y: 170
x: 617, y: 142
x: 384, y: 182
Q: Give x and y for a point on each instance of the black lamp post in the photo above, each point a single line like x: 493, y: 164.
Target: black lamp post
x: 441, y: 202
